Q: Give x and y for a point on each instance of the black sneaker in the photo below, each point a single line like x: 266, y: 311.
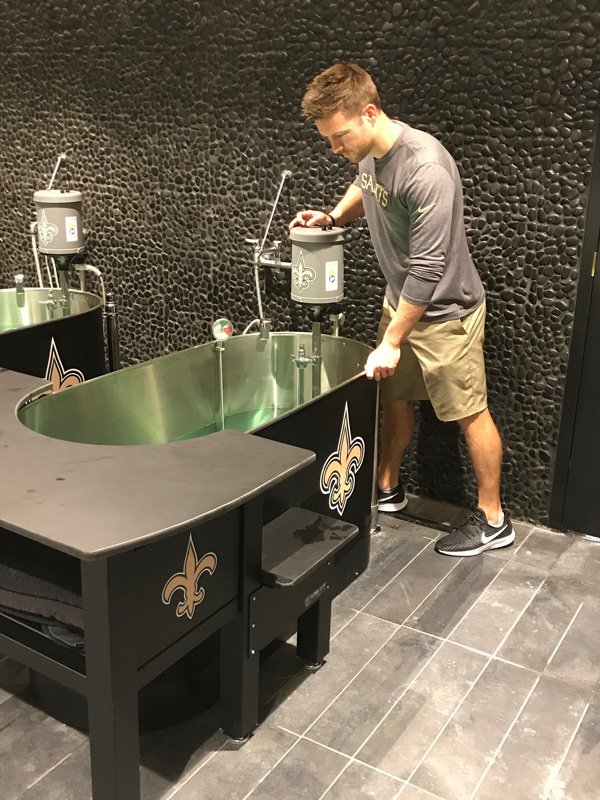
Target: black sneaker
x: 476, y: 535
x: 391, y: 499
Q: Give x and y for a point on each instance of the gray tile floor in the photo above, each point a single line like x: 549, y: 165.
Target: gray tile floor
x: 456, y: 679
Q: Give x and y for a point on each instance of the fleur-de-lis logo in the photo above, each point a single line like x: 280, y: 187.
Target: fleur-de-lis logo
x: 302, y: 275
x: 60, y: 377
x: 47, y: 230
x: 187, y: 581
x: 338, y: 476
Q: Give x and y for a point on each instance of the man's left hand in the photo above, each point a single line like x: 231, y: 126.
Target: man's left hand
x: 383, y: 361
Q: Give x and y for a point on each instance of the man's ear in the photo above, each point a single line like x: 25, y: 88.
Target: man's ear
x: 370, y: 113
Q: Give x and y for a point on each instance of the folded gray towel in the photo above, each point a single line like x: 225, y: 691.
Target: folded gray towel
x: 38, y: 581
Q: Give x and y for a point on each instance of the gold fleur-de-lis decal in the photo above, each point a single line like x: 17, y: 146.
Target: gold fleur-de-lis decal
x: 338, y: 476
x: 187, y: 581
x: 60, y: 377
x: 47, y: 230
x: 302, y: 275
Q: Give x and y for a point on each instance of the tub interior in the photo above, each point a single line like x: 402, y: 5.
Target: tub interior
x: 177, y: 396
x: 30, y: 307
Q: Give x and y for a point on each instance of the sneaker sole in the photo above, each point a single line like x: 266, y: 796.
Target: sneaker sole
x: 505, y: 541
x: 384, y: 506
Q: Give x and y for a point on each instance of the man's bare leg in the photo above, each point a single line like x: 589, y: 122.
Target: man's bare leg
x: 485, y: 449
x: 397, y: 429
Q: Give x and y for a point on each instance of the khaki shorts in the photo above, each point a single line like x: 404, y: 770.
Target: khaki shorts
x: 442, y: 362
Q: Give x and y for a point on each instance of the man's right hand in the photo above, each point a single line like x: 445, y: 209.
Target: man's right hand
x: 309, y: 219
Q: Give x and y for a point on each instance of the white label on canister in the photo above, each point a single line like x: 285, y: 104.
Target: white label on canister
x: 71, y: 229
x: 331, y: 273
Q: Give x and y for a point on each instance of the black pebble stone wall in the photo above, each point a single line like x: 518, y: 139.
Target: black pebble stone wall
x: 178, y: 118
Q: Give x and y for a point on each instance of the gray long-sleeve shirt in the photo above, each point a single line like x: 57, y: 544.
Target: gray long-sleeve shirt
x: 414, y: 207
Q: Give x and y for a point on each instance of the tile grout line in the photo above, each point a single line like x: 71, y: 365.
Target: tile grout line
x: 542, y: 582
x: 276, y: 764
x: 396, y: 575
x: 364, y: 666
x: 524, y: 540
x: 481, y: 652
x: 557, y: 769
x: 516, y: 622
x: 344, y: 768
x: 562, y: 638
x: 443, y: 641
x: 48, y: 771
x: 429, y: 660
x: 345, y: 625
x: 345, y: 755
x: 438, y: 584
x: 194, y: 772
x: 389, y: 711
x: 449, y: 720
x: 451, y: 717
x: 463, y: 618
x: 504, y: 738
x: 425, y: 791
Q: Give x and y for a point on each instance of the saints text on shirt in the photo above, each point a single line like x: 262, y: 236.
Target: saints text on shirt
x: 368, y: 184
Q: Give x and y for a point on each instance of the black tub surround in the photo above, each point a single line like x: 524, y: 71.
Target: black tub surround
x: 178, y: 119
x: 92, y: 501
x: 168, y: 548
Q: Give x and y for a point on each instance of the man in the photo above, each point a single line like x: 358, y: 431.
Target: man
x: 430, y: 338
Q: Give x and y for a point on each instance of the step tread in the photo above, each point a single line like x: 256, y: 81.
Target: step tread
x: 297, y: 542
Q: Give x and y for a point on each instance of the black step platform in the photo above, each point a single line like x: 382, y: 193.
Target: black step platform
x: 296, y: 544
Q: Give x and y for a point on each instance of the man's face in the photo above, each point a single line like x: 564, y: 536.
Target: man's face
x: 352, y: 137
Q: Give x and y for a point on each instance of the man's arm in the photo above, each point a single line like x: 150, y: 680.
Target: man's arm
x: 383, y: 361
x: 429, y: 198
x: 349, y: 208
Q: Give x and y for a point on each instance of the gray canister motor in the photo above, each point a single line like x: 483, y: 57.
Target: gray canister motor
x: 317, y: 265
x: 58, y: 213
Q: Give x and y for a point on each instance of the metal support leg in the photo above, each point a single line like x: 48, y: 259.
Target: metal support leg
x: 239, y: 682
x: 314, y: 631
x: 111, y: 681
x: 239, y: 664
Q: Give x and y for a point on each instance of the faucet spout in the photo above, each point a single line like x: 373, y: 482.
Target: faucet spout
x: 264, y: 329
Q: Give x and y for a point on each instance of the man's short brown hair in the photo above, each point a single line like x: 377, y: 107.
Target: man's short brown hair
x: 342, y: 87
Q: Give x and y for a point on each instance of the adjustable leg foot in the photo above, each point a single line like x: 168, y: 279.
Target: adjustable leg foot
x: 313, y: 666
x: 240, y: 741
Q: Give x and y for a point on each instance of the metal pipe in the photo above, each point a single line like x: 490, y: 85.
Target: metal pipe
x: 250, y: 325
x: 50, y: 281
x: 374, y: 526
x: 337, y: 322
x: 64, y: 286
x: 112, y: 334
x: 317, y: 358
x: 258, y: 249
x: 33, y: 228
x: 301, y: 362
x: 61, y: 157
x: 20, y: 290
x: 55, y: 272
x: 269, y: 262
x: 284, y: 176
x: 219, y: 348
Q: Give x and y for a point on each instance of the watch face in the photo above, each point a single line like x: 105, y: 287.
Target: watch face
x: 222, y: 328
